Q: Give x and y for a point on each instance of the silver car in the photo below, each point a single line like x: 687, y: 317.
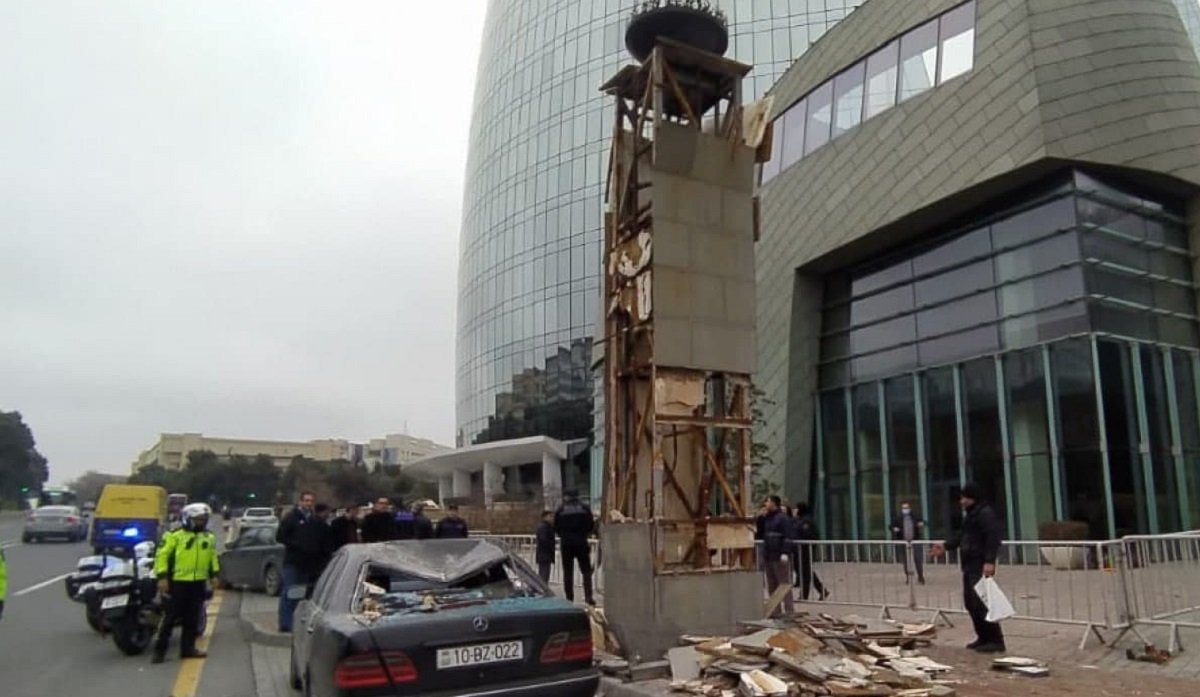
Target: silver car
x: 64, y: 522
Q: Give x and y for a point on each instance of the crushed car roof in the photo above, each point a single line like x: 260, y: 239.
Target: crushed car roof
x: 445, y: 561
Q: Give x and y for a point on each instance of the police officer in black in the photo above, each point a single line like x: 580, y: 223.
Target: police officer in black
x: 978, y: 543
x: 573, y: 521
x: 805, y: 530
x: 544, y: 554
x: 451, y: 525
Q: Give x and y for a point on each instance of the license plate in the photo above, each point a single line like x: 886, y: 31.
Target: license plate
x: 114, y: 601
x: 479, y: 654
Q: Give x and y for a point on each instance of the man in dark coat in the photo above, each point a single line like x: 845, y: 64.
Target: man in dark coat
x: 805, y: 530
x: 451, y: 525
x: 345, y: 528
x: 544, y: 555
x: 776, y: 541
x: 908, y: 526
x: 422, y: 526
x: 296, y: 556
x: 574, y: 523
x: 978, y: 544
x: 379, y: 525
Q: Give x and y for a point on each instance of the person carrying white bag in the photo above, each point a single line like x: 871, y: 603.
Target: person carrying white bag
x: 978, y: 543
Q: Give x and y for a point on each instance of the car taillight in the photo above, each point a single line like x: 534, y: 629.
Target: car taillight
x: 367, y: 670
x: 72, y: 520
x: 566, y: 647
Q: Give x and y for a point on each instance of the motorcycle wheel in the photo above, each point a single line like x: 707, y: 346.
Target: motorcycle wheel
x: 132, y: 637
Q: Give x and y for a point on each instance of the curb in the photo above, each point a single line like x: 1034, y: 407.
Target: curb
x: 254, y: 633
x: 614, y: 687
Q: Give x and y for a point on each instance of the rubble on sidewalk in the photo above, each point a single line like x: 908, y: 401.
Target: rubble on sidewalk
x: 1022, y: 666
x: 827, y: 656
x: 1150, y: 654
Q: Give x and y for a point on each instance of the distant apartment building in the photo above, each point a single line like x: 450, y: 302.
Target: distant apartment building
x: 170, y: 452
x: 399, y: 449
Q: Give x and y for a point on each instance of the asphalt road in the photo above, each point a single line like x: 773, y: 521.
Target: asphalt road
x: 46, y: 647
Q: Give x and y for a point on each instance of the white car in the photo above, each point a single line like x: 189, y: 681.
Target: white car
x: 256, y: 518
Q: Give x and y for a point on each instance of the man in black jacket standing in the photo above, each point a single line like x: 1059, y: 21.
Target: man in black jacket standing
x: 776, y: 540
x: 573, y: 522
x: 422, y: 526
x: 451, y: 525
x: 295, y: 556
x: 345, y: 528
x: 544, y: 555
x: 379, y: 525
x: 805, y: 530
x: 978, y: 544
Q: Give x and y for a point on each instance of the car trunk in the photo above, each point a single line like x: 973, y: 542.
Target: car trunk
x: 480, y: 619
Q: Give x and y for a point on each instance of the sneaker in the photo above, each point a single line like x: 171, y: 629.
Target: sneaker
x: 195, y: 654
x: 975, y: 644
x: 993, y: 647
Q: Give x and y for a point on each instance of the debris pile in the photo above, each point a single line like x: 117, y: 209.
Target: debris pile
x: 1150, y: 654
x: 1022, y: 666
x: 840, y: 657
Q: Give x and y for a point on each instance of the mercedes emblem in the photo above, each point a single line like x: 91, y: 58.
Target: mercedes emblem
x: 480, y: 624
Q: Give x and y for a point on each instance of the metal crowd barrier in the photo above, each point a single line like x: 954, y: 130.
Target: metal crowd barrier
x: 1113, y: 585
x: 525, y: 546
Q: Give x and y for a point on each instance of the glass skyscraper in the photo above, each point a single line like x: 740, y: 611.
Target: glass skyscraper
x: 529, y: 272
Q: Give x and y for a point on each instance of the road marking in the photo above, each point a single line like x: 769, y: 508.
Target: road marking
x: 188, y: 680
x: 39, y: 586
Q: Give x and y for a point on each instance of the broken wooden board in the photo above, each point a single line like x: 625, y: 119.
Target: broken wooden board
x: 1030, y: 667
x: 776, y: 598
x: 796, y: 643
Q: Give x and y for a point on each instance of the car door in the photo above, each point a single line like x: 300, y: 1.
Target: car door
x: 306, y: 621
x: 261, y: 547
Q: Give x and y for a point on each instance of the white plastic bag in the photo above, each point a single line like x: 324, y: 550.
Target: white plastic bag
x: 989, y: 592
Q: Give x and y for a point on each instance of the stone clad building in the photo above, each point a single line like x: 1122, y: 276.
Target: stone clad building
x: 976, y: 263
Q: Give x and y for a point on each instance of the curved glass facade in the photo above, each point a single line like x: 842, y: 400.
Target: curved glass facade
x: 529, y: 269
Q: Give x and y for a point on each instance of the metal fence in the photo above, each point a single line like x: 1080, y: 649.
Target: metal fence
x: 1114, y: 585
x: 525, y: 546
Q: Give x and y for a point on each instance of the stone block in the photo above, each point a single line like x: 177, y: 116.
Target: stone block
x: 675, y: 149
x: 723, y: 347
x: 672, y: 292
x: 671, y: 245
x: 708, y: 297
x: 739, y: 300
x: 673, y: 341
x: 737, y: 209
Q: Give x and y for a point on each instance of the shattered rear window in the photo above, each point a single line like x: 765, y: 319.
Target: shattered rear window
x: 389, y: 592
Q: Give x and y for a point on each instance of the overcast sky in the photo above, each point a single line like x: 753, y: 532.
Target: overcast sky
x: 238, y: 218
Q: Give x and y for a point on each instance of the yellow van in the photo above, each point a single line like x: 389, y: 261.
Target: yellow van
x: 128, y: 514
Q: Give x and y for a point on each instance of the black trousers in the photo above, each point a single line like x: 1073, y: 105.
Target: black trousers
x: 987, y: 632
x: 572, y: 553
x: 806, y: 578
x: 544, y: 570
x: 183, y: 606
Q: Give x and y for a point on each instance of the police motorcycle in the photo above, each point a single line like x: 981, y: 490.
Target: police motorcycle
x: 88, y: 571
x: 125, y: 599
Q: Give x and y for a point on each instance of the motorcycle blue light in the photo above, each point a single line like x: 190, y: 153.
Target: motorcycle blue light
x: 129, y: 532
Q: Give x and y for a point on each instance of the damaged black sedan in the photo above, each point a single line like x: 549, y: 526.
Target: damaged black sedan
x: 438, y: 618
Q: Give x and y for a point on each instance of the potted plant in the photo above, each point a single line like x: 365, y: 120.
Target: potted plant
x: 1065, y: 557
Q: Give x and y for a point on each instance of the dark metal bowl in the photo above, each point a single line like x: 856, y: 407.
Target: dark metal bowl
x: 687, y: 24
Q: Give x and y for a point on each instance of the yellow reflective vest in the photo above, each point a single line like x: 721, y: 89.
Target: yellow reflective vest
x: 3, y: 577
x: 187, y: 556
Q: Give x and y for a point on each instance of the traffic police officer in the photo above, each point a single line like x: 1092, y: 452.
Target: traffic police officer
x: 184, y: 566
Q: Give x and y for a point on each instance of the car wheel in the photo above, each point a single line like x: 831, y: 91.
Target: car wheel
x: 272, y: 582
x: 293, y: 674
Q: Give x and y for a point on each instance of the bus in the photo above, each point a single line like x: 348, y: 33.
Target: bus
x: 57, y: 496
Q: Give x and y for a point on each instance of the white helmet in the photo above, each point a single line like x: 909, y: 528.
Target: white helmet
x: 193, y: 511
